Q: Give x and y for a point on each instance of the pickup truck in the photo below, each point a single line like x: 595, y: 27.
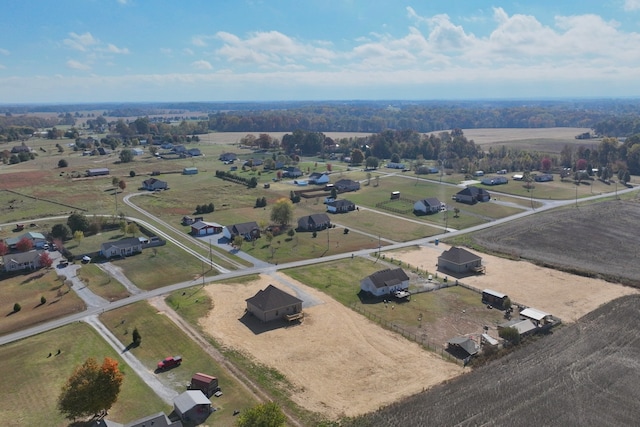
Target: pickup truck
x: 169, y: 362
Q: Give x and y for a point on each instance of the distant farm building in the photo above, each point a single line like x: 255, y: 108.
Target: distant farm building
x: 462, y: 347
x: 153, y: 184
x: 494, y: 298
x: 545, y: 177
x: 291, y: 172
x: 385, y: 282
x: 228, y: 157
x: 394, y: 165
x: 272, y: 304
x: 203, y: 228
x: 340, y: 206
x: 190, y: 171
x: 98, y: 172
x: 495, y: 180
x: 461, y: 261
x: 537, y: 317
x: 207, y: 384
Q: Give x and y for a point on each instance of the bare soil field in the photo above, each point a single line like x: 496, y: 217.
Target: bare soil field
x: 595, y: 240
x: 562, y: 294
x: 488, y: 136
x: 585, y: 374
x: 338, y: 362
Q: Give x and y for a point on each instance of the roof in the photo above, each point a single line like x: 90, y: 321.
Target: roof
x: 340, y: 203
x: 319, y: 218
x: 199, y: 225
x: 204, y: 378
x: 159, y: 419
x: 245, y: 227
x: 456, y: 255
x: 473, y: 191
x: 431, y: 201
x: 388, y: 277
x: 494, y: 293
x: 97, y: 170
x: 189, y: 399
x: 152, y: 181
x: 122, y: 243
x: 22, y: 257
x: 522, y: 326
x: 272, y: 298
x: 489, y: 339
x: 467, y: 344
x: 532, y: 313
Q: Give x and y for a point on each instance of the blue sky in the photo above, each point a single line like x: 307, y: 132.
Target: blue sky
x: 237, y: 50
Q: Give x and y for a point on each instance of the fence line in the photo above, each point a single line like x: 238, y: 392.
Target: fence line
x: 415, y: 337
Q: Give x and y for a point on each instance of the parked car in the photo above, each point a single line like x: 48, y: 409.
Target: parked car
x: 169, y: 362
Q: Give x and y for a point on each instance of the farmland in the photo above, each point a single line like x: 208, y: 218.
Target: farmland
x: 574, y: 377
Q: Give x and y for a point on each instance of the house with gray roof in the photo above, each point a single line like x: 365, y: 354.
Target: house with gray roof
x: 430, y: 205
x: 459, y: 260
x: 123, y: 247
x: 153, y: 184
x: 159, y: 419
x: 471, y: 195
x: 385, y: 282
x: 192, y: 406
x: 273, y: 303
x: 248, y: 230
x: 29, y: 260
x: 314, y: 222
x: 340, y: 206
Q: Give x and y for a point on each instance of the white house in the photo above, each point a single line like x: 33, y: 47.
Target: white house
x: 29, y: 260
x: 385, y: 282
x: 318, y: 178
x: 122, y: 247
x: 429, y: 205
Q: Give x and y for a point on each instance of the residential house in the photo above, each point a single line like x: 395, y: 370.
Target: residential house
x: 194, y: 152
x: 123, y: 247
x: 37, y: 239
x: 318, y: 178
x: 495, y: 180
x: 153, y: 184
x: 179, y: 149
x: 545, y: 177
x: 20, y: 149
x: 458, y: 260
x: 137, y: 151
x: 472, y: 195
x: 248, y: 230
x: 272, y: 303
x: 463, y: 346
x: 429, y: 205
x: 394, y: 165
x: 105, y: 151
x: 314, y: 222
x: 159, y: 419
x: 29, y: 260
x: 98, y: 172
x: 340, y: 206
x: 202, y: 228
x: 228, y: 157
x: 192, y: 406
x: 385, y: 282
x: 425, y: 170
x: 291, y: 172
x: 345, y: 185
x: 190, y: 171
x: 207, y: 384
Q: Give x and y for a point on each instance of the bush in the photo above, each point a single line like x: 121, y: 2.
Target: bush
x: 62, y: 163
x: 346, y: 231
x: 132, y: 174
x: 16, y: 307
x: 43, y: 300
x: 510, y: 334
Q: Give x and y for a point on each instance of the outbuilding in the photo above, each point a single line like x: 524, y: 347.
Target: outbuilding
x: 203, y: 228
x: 192, y: 406
x: 207, y: 384
x: 494, y: 298
x: 190, y: 171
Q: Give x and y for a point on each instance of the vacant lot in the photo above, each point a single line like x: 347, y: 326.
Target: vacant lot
x: 582, y: 375
x: 337, y: 362
x: 594, y: 240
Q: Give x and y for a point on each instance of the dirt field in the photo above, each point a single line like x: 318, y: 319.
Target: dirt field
x: 583, y: 375
x: 338, y: 362
x: 564, y: 295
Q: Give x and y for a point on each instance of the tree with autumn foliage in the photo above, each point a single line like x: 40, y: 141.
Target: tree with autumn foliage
x: 4, y: 248
x: 91, y: 389
x: 45, y: 260
x: 24, y: 244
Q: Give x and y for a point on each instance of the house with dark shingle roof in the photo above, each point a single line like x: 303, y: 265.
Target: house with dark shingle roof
x: 153, y: 184
x: 340, y: 206
x: 318, y: 178
x: 463, y: 345
x: 122, y: 247
x: 314, y: 222
x: 471, y: 195
x: 345, y: 185
x: 272, y: 304
x: 385, y: 282
x: 458, y: 260
x: 430, y: 205
x: 248, y: 230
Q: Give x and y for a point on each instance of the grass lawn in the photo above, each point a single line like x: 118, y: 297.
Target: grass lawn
x: 101, y: 283
x: 162, y: 338
x: 26, y: 290
x: 92, y: 243
x: 167, y: 266
x: 31, y: 381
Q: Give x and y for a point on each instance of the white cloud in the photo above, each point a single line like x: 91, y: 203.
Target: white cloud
x: 2, y: 67
x: 631, y: 5
x: 123, y: 1
x: 77, y: 65
x: 80, y: 42
x: 188, y: 51
x: 4, y: 51
x: 111, y: 48
x: 202, y: 65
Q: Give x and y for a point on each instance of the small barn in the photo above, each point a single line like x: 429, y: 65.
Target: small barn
x: 494, y: 298
x: 192, y: 406
x: 385, y: 282
x: 122, y: 247
x: 429, y: 205
x: 272, y: 304
x: 98, y: 172
x: 537, y: 317
x: 523, y: 326
x: 462, y: 347
x: 314, y: 222
x: 207, y: 384
x: 458, y: 260
x: 203, y: 228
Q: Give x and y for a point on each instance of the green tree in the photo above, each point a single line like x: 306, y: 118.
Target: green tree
x: 114, y: 181
x: 282, y: 211
x: 132, y: 228
x: 62, y: 163
x: 395, y: 158
x: 43, y: 300
x: 90, y: 389
x: 263, y: 415
x: 78, y: 222
x: 510, y: 334
x: 17, y: 307
x: 126, y: 155
x: 357, y: 157
x: 61, y: 231
x: 334, y: 193
x: 238, y: 241
x: 506, y: 304
x: 372, y: 162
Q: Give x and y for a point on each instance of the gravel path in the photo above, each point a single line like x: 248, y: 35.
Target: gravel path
x: 116, y: 273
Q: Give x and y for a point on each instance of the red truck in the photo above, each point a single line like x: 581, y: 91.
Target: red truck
x: 169, y: 362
